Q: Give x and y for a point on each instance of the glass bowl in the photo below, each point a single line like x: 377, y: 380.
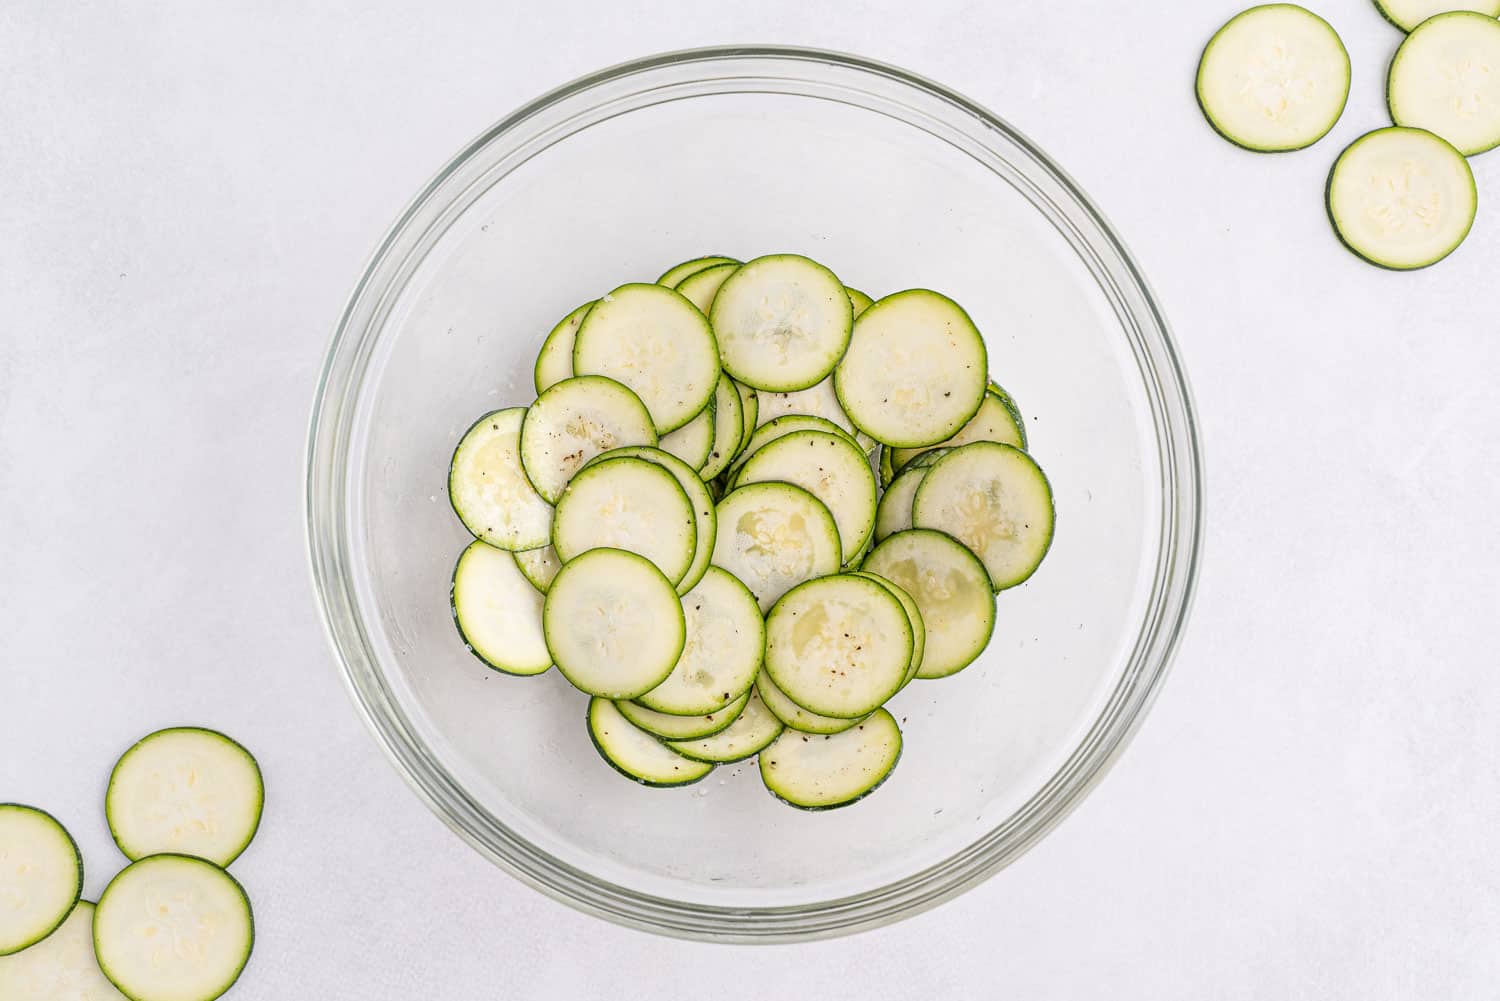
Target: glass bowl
x: 894, y: 182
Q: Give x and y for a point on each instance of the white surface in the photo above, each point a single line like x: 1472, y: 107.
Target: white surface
x: 189, y: 192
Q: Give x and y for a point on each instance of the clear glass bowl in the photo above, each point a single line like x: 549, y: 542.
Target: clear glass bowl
x: 894, y: 182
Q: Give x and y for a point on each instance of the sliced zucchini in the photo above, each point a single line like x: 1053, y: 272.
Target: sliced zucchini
x: 539, y: 566
x: 997, y: 420
x: 61, y: 967
x: 1407, y: 14
x: 185, y: 791
x: 694, y: 441
x: 726, y: 642
x: 629, y: 504
x: 1274, y: 78
x: 653, y: 341
x: 749, y: 412
x: 773, y: 536
x: 894, y: 513
x: 820, y: 773
x: 913, y: 615
x: 817, y: 401
x: 887, y: 469
x: 952, y: 592
x: 488, y: 489
x: 839, y: 645
x: 828, y: 466
x: 613, y: 624
x: 668, y: 726
x: 995, y: 500
x: 554, y: 362
x: 700, y: 287
x: 1446, y: 79
x: 780, y: 427
x: 756, y: 727
x: 1402, y: 198
x: 698, y: 495
x: 914, y: 373
x: 1010, y: 404
x: 729, y: 420
x: 858, y: 300
x: 173, y: 928
x: 677, y: 272
x: 853, y: 563
x: 793, y: 715
x: 41, y: 876
x: 574, y: 421
x: 498, y: 612
x: 782, y: 322
x: 635, y: 753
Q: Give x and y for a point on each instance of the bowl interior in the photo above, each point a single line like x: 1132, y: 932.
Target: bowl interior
x: 617, y: 190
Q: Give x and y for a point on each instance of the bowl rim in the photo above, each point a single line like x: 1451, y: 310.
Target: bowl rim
x: 1166, y: 613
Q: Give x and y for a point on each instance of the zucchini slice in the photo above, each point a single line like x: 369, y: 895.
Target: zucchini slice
x: 488, y: 489
x: 674, y: 275
x: 780, y: 427
x: 574, y: 421
x: 729, y: 428
x: 700, y: 287
x: 1407, y: 14
x: 173, y: 928
x: 782, y: 322
x: 1402, y: 198
x: 498, y: 612
x: 756, y: 727
x: 858, y: 300
x: 952, y: 593
x: 839, y: 645
x: 629, y: 504
x: 671, y: 727
x: 698, y: 495
x: 1445, y: 78
x: 694, y: 441
x: 554, y: 362
x: 996, y: 420
x: 823, y: 772
x: 539, y: 566
x: 913, y: 615
x: 185, y: 790
x: 828, y: 466
x: 886, y: 467
x: 749, y: 413
x: 613, y: 624
x: 995, y: 500
x: 914, y: 373
x: 61, y: 967
x: 635, y: 753
x: 41, y: 876
x: 773, y: 536
x: 793, y: 715
x: 656, y: 343
x: 894, y: 513
x: 1274, y: 78
x: 726, y: 642
x: 817, y: 401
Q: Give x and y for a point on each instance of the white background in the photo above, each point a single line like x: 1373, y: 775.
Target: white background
x: 189, y: 190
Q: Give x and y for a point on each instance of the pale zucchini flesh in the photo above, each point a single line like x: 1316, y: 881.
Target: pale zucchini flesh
x: 894, y: 513
x: 698, y: 495
x: 637, y: 754
x: 498, y: 612
x: 749, y: 411
x: 996, y: 420
x: 782, y: 322
x: 61, y: 967
x: 951, y: 591
x: 1401, y: 198
x: 694, y: 441
x: 859, y: 300
x: 630, y: 504
x: 818, y: 401
x: 1445, y: 78
x: 173, y: 928
x: 823, y: 772
x: 700, y: 287
x: 554, y: 362
x: 840, y: 645
x: 729, y: 428
x: 995, y: 500
x: 1274, y: 78
x: 773, y: 536
x: 780, y: 427
x: 913, y: 615
x: 915, y: 371
x: 613, y: 624
x: 669, y: 726
x: 1407, y: 14
x: 41, y: 876
x: 539, y: 566
x: 726, y: 640
x: 489, y: 490
x: 752, y: 730
x: 574, y: 421
x: 828, y: 466
x: 185, y: 791
x: 674, y: 275
x: 795, y: 716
